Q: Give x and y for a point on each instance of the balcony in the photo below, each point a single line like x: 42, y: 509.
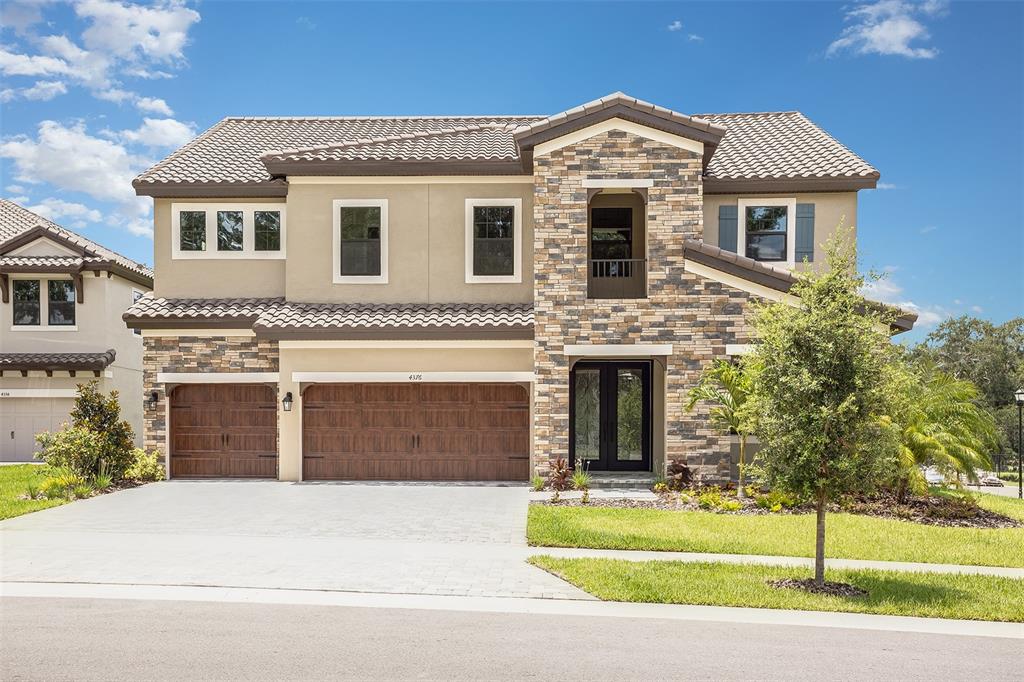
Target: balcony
x: 617, y: 278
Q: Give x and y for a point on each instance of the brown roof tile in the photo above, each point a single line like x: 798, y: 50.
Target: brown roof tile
x: 56, y: 361
x: 198, y: 310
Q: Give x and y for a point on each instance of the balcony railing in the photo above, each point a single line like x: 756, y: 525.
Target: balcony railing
x: 617, y: 278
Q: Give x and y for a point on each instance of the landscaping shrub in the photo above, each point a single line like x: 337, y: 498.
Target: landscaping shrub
x: 537, y: 482
x: 775, y: 501
x: 75, y: 449
x: 560, y: 475
x: 82, y: 491
x: 52, y: 488
x: 101, y: 414
x: 679, y: 476
x: 144, y: 467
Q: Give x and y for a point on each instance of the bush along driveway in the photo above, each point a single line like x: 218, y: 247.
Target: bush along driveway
x: 15, y: 483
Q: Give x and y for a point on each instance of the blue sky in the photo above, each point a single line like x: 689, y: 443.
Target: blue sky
x: 931, y: 93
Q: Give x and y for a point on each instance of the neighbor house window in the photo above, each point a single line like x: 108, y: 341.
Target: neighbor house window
x: 243, y: 231
x: 267, y: 230
x: 60, y: 302
x: 493, y: 240
x: 360, y: 241
x: 765, y: 227
x: 229, y: 230
x: 26, y: 302
x: 192, y: 230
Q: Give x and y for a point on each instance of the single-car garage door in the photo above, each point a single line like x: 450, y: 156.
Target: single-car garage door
x: 223, y: 430
x: 22, y: 418
x: 416, y: 432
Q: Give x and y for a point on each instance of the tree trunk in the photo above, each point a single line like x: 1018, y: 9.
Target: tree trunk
x: 819, y: 543
x: 740, y: 492
x: 901, y: 492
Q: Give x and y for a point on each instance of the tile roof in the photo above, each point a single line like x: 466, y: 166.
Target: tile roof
x: 199, y: 309
x: 44, y: 261
x: 16, y: 220
x: 56, y: 361
x: 783, y: 144
x: 232, y: 155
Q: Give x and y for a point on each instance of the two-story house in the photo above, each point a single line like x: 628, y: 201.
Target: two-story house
x: 60, y: 324
x: 469, y: 297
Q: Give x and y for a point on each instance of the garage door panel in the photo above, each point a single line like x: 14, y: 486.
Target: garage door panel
x: 501, y: 418
x: 445, y: 393
x: 439, y: 417
x: 249, y: 416
x: 392, y: 394
x: 384, y: 416
x: 378, y: 442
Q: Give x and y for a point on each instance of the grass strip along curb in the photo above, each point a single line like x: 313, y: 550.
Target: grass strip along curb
x: 14, y: 482
x: 892, y: 593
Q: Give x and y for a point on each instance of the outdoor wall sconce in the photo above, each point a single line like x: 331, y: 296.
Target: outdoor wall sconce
x: 152, y: 400
x: 286, y: 402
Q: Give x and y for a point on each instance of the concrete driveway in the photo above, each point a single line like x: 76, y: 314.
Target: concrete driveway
x: 416, y: 539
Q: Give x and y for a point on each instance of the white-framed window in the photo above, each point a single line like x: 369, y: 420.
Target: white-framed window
x: 136, y: 295
x: 767, y: 230
x: 494, y: 241
x: 246, y: 231
x: 43, y: 304
x: 360, y: 241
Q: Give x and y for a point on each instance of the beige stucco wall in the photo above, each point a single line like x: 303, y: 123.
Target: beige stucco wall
x: 830, y: 210
x: 466, y: 359
x: 211, y: 277
x: 426, y: 243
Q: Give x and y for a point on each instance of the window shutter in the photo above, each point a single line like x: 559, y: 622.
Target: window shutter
x: 727, y: 228
x: 804, y: 232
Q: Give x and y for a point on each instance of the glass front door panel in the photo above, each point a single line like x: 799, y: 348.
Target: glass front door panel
x: 629, y: 427
x: 588, y: 414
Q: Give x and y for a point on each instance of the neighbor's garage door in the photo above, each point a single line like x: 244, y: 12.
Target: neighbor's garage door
x: 421, y: 432
x: 22, y: 418
x: 223, y: 430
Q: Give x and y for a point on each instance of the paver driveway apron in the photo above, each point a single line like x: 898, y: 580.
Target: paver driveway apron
x: 416, y: 538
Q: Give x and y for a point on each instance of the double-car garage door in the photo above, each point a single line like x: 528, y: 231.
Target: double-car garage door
x: 375, y: 431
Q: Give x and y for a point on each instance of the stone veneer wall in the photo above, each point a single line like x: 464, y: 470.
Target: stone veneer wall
x: 214, y: 354
x: 699, y: 317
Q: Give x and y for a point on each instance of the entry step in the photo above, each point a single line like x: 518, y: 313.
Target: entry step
x: 630, y: 480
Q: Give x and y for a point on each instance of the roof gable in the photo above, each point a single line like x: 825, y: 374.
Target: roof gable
x: 21, y: 245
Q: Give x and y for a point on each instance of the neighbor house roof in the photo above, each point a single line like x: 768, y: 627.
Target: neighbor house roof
x: 20, y: 226
x: 276, y: 318
x: 773, y: 151
x: 50, y: 362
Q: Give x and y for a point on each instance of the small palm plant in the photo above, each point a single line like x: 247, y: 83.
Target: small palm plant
x: 727, y: 387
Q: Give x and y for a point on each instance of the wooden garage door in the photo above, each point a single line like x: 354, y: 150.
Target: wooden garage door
x: 223, y: 430
x: 416, y: 432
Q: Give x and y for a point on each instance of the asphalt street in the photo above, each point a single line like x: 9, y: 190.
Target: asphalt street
x: 112, y: 639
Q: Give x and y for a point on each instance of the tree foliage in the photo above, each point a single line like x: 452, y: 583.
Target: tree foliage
x: 101, y: 414
x: 726, y: 386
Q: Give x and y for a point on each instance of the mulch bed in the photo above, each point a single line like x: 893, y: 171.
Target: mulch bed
x: 933, y: 511
x: 829, y: 588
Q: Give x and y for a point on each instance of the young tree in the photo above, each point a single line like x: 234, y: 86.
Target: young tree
x: 818, y: 393
x: 727, y: 387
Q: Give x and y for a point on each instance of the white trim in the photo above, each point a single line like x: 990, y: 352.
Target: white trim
x: 403, y: 343
x: 517, y: 242
x: 156, y: 333
x: 741, y: 224
x: 611, y: 183
x: 217, y: 377
x: 618, y: 350
x: 382, y: 278
x: 410, y: 180
x: 44, y: 298
x: 412, y: 376
x: 739, y: 348
x: 38, y: 392
x: 577, y: 136
x: 248, y: 251
x: 58, y: 247
x: 739, y: 283
x: 45, y: 327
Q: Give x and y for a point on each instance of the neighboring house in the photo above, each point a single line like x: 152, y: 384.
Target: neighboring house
x: 470, y: 297
x: 60, y: 324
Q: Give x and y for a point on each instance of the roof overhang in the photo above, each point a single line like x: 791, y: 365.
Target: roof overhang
x: 416, y: 333
x: 42, y: 232
x: 788, y: 185
x: 211, y: 190
x: 398, y: 167
x: 56, y: 362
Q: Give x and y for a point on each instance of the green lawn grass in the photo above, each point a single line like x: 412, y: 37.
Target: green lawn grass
x: 848, y: 536
x: 13, y: 484
x: 932, y: 595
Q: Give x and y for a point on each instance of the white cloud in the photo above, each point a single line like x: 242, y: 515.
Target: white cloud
x: 19, y: 200
x: 977, y: 309
x: 885, y: 185
x: 42, y: 91
x: 928, y: 228
x: 153, y: 105
x: 119, y: 40
x: 159, y: 132
x: 72, y: 160
x: 694, y: 38
x: 889, y: 27
x: 306, y: 23
x: 886, y: 290
x: 675, y: 26
x: 74, y: 215
x: 15, y: 189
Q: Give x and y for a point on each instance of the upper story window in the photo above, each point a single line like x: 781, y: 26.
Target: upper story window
x: 611, y: 233
x: 494, y: 240
x: 27, y: 307
x: 247, y: 231
x: 60, y: 302
x: 360, y: 241
x: 766, y: 229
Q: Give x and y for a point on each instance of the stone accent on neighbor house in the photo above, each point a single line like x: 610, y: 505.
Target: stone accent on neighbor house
x: 213, y: 354
x: 698, y: 316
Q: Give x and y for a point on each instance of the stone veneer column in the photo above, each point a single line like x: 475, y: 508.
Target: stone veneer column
x: 195, y: 354
x: 697, y: 316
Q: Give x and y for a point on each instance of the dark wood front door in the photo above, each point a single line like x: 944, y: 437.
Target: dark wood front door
x: 416, y: 432
x: 610, y: 415
x: 223, y: 431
